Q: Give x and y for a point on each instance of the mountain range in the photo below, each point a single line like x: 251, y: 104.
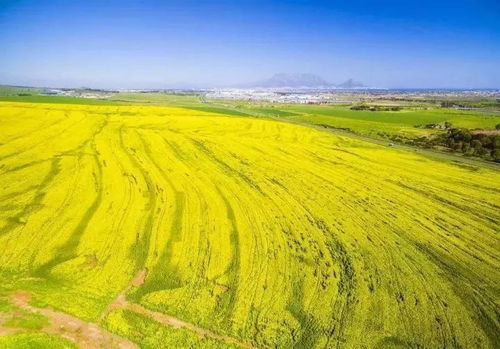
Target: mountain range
x: 304, y: 81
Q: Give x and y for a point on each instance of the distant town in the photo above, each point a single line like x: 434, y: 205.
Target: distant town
x: 293, y: 95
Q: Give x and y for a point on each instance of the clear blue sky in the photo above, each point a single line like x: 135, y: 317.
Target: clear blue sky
x: 212, y: 43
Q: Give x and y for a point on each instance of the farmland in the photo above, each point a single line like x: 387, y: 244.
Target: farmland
x: 185, y: 226
x: 473, y: 132
x: 399, y: 122
x: 377, y: 124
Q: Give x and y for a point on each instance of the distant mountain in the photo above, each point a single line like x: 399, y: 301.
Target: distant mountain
x: 350, y: 84
x: 294, y: 81
x: 297, y: 81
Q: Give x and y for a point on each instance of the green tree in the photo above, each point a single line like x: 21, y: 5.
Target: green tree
x: 486, y: 141
x: 483, y: 152
x: 496, y: 142
x: 495, y: 154
x: 465, y: 147
x: 476, y: 145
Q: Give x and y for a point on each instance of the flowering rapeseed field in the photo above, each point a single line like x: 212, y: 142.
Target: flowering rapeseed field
x: 165, y: 226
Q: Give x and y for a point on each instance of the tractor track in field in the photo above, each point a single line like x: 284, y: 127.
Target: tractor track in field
x: 71, y: 244
x: 142, y: 243
x: 40, y: 143
x: 164, y: 268
x: 121, y: 302
x: 37, y: 198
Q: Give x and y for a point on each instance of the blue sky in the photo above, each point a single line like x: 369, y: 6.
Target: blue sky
x: 155, y: 44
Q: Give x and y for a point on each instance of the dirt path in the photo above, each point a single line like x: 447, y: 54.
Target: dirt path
x: 5, y: 331
x: 121, y: 303
x: 92, y: 336
x: 84, y: 334
x: 177, y: 323
x: 121, y: 300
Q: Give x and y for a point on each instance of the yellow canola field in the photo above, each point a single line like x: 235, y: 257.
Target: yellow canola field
x: 275, y: 235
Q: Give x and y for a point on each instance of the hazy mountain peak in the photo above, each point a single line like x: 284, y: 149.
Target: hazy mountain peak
x: 295, y: 80
x: 351, y: 83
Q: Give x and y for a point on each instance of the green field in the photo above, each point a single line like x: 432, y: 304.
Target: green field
x: 59, y: 100
x: 190, y: 226
x: 404, y: 121
x: 468, y: 133
x: 157, y: 98
x: 6, y: 90
x: 372, y: 124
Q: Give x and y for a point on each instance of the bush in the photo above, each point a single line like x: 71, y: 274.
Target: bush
x: 482, y: 152
x: 495, y: 155
x: 462, y: 140
x: 476, y: 144
x: 458, y: 146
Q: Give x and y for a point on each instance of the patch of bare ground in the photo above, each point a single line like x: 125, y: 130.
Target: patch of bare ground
x: 31, y: 279
x: 5, y: 331
x: 93, y: 336
x: 4, y: 317
x: 84, y: 334
x: 90, y: 262
x: 486, y: 132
